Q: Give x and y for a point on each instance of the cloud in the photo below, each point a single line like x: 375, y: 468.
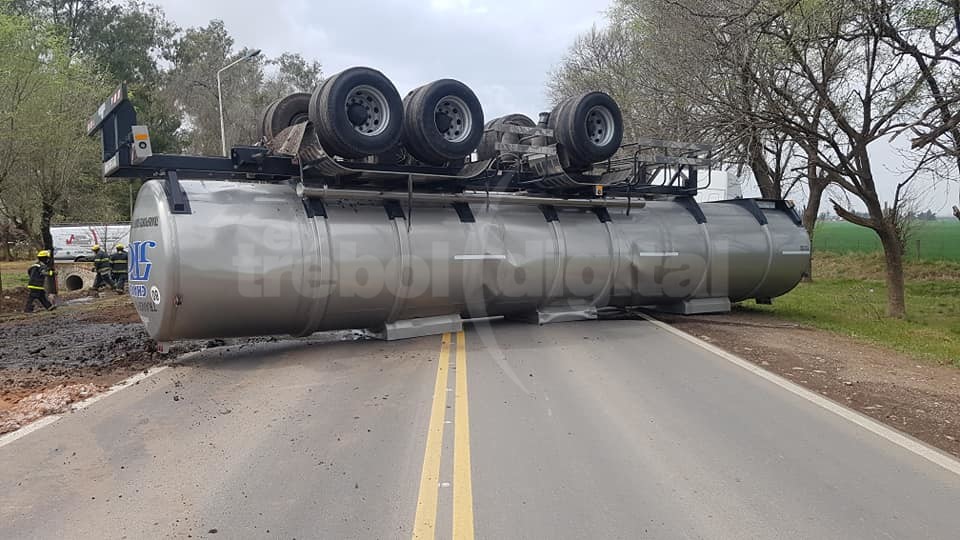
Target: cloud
x: 502, y: 49
x: 466, y: 6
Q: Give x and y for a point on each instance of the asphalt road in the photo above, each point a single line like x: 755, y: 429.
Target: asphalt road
x: 612, y: 429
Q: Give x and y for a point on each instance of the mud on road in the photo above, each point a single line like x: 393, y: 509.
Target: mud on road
x: 51, y: 359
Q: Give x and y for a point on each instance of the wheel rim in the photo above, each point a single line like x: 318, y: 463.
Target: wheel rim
x: 367, y: 110
x: 599, y: 125
x: 453, y: 119
x: 300, y: 118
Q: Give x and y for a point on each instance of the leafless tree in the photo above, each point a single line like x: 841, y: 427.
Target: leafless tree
x: 869, y: 93
x: 928, y: 32
x: 690, y: 70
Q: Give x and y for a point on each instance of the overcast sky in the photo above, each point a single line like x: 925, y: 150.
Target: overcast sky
x: 503, y: 49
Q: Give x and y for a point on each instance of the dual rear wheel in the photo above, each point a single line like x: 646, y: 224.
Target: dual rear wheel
x: 358, y: 113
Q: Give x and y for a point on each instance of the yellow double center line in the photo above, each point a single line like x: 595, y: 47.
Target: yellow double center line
x: 425, y: 522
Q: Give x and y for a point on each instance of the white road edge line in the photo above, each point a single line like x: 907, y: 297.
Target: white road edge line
x: 28, y: 429
x: 126, y: 383
x: 47, y: 420
x: 902, y: 440
x: 80, y: 405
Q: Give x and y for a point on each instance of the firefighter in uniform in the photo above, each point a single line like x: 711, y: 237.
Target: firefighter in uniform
x: 37, y: 278
x: 103, y: 269
x: 118, y: 267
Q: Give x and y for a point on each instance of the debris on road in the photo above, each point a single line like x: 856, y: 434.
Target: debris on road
x: 47, y: 360
x: 45, y: 403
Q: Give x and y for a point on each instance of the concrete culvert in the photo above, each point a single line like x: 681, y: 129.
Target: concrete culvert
x: 73, y: 282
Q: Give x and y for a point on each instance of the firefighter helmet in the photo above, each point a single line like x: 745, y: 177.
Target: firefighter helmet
x: 96, y: 247
x: 43, y: 254
x: 119, y: 247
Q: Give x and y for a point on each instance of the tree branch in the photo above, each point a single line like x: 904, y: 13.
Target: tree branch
x: 848, y: 215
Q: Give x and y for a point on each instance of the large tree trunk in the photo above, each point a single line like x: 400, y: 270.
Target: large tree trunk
x: 812, y: 211
x: 893, y: 255
x: 5, y: 240
x: 46, y: 217
x: 769, y: 185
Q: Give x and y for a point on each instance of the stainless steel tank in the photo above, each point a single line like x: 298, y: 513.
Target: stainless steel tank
x: 250, y: 260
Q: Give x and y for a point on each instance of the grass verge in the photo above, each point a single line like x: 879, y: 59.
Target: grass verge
x: 14, y: 274
x: 849, y: 297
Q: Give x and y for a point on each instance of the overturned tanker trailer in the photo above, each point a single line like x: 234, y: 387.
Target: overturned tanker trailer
x: 326, y: 224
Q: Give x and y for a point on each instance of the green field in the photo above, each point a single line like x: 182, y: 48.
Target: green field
x: 930, y: 241
x: 849, y: 297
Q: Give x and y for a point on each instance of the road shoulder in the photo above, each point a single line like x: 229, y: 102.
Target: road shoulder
x: 917, y: 397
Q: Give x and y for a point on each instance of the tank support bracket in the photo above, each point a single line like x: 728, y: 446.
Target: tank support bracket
x: 314, y: 208
x: 549, y: 213
x: 691, y: 205
x: 176, y: 197
x: 750, y: 205
x: 427, y: 326
x: 464, y: 212
x: 394, y: 210
x: 602, y: 214
x: 696, y: 306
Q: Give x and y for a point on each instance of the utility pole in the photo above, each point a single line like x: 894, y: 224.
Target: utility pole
x: 223, y: 131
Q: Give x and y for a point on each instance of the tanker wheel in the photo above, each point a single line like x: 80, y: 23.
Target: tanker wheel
x: 267, y: 112
x: 487, y: 149
x: 356, y: 113
x: 285, y: 112
x: 588, y: 129
x: 443, y: 122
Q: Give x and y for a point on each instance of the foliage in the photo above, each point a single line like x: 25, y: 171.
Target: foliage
x: 50, y: 166
x: 248, y: 87
x: 60, y: 58
x: 849, y: 297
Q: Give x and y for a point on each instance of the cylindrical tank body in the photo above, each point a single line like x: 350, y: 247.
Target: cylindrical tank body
x: 254, y: 259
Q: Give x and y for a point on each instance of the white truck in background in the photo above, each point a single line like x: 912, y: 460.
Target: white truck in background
x: 73, y: 242
x: 723, y: 185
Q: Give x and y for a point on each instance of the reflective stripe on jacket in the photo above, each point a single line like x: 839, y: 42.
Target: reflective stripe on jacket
x: 101, y: 262
x: 118, y: 261
x: 37, y: 276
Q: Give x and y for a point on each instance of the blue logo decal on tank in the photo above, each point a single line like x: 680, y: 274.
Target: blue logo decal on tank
x: 140, y: 264
x: 138, y: 291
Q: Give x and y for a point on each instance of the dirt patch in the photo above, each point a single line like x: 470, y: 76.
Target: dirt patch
x: 53, y: 401
x: 91, y: 341
x: 13, y: 300
x: 916, y: 397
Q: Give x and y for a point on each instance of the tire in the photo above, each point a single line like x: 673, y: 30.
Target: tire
x: 285, y: 112
x: 588, y: 129
x: 267, y: 112
x: 357, y: 113
x: 487, y: 149
x: 442, y: 122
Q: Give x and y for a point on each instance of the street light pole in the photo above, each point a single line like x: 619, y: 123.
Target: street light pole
x: 223, y: 131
